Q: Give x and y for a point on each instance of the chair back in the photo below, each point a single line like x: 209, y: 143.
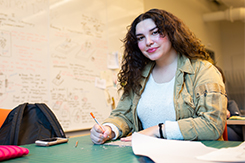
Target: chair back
x: 225, y: 134
x: 3, y: 115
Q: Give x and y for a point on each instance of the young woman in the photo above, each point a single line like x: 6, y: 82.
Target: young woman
x: 171, y: 88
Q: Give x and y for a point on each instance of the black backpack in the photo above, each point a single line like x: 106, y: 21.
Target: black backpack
x: 29, y: 122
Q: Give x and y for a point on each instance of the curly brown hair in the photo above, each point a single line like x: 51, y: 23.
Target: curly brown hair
x: 182, y: 39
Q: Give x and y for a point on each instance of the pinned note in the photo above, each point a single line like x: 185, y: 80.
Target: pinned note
x: 107, y: 75
x: 100, y: 83
x: 112, y: 60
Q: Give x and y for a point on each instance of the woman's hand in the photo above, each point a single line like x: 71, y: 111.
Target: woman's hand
x: 151, y: 131
x: 126, y: 139
x: 99, y: 136
x: 228, y: 114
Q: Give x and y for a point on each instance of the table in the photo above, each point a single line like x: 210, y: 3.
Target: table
x: 238, y: 122
x: 86, y: 151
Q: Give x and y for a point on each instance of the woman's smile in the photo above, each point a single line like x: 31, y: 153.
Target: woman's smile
x: 151, y: 50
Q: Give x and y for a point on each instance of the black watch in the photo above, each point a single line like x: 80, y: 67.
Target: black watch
x: 160, y: 130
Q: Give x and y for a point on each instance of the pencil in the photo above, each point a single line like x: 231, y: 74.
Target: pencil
x: 76, y: 144
x: 97, y: 121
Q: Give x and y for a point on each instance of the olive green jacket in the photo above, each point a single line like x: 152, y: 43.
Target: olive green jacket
x: 200, y: 102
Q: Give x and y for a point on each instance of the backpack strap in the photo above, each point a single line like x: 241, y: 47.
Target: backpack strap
x: 15, y: 127
x: 52, y: 119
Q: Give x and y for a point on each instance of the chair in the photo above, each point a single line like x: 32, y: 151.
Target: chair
x: 3, y: 115
x: 225, y: 134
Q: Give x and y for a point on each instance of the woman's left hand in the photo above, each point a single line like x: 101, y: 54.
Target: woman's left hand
x: 126, y: 139
x: 151, y: 131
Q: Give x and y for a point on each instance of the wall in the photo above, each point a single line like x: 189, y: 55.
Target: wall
x: 233, y: 57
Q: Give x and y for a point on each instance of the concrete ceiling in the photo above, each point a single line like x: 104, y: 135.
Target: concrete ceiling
x: 233, y: 3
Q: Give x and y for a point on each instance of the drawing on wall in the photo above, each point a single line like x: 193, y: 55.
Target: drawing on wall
x: 21, y: 4
x: 66, y: 46
x: 57, y: 105
x: 76, y: 115
x: 82, y: 51
x: 98, y: 30
x: 92, y: 26
x: 58, y: 79
x: 3, y: 84
x: 87, y: 50
x: 5, y: 44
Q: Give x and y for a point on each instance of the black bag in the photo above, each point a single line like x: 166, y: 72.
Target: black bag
x: 28, y: 122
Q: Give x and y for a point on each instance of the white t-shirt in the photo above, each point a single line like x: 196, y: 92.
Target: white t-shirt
x: 156, y: 106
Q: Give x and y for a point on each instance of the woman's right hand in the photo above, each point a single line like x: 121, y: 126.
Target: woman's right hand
x: 99, y: 136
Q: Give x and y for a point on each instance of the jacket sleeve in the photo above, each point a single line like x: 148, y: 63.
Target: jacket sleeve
x: 209, y: 106
x: 122, y: 116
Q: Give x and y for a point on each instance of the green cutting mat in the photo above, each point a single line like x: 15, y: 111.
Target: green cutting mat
x: 221, y: 144
x: 86, y: 151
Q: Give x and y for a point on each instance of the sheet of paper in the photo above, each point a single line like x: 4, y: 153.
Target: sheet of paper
x: 107, y: 75
x: 232, y: 154
x: 162, y: 150
x: 112, y: 60
x: 100, y: 83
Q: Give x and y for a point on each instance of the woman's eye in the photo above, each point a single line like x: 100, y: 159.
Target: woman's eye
x: 140, y: 38
x: 155, y: 32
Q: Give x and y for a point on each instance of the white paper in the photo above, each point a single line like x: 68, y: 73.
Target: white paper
x: 232, y: 154
x: 112, y: 60
x: 162, y: 150
x: 100, y: 83
x: 107, y: 75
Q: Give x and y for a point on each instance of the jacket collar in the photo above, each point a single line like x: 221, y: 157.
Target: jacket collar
x: 147, y: 69
x: 184, y: 64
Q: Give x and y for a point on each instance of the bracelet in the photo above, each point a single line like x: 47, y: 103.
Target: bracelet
x: 160, y: 130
